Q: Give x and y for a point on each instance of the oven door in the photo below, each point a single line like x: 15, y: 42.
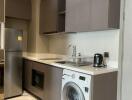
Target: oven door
x: 72, y: 91
x: 37, y: 79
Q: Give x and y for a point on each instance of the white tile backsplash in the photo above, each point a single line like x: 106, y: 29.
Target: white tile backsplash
x: 88, y: 43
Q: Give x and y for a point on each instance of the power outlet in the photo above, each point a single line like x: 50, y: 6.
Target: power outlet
x: 106, y: 54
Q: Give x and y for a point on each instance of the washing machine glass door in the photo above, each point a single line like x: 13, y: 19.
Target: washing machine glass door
x: 72, y: 91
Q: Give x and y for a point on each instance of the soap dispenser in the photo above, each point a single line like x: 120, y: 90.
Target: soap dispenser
x: 79, y: 60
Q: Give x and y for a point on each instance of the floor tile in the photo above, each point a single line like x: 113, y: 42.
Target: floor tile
x: 25, y: 96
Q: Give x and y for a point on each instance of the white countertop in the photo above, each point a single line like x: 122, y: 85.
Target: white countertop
x: 83, y: 69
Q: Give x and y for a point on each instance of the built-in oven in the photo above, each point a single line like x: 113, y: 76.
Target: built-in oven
x: 38, y: 79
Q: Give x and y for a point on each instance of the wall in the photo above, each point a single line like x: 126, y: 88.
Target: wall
x: 127, y: 53
x: 36, y: 42
x: 119, y: 95
x: 88, y: 43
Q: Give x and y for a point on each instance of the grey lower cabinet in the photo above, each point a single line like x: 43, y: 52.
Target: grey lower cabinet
x: 42, y: 80
x: 104, y: 86
x: 2, y: 10
x: 20, y: 9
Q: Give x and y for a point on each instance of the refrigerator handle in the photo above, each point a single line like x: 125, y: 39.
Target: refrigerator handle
x: 2, y: 36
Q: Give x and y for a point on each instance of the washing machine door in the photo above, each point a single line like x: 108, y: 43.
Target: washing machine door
x: 72, y: 91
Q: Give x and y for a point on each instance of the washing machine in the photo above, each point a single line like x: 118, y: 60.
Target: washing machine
x: 75, y: 86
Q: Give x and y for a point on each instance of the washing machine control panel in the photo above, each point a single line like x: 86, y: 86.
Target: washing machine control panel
x: 82, y: 78
x: 76, y: 76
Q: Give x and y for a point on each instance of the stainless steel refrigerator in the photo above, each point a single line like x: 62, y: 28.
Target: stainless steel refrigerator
x: 13, y: 63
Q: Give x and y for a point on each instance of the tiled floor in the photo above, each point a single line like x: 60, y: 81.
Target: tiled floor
x: 25, y: 96
x: 1, y: 96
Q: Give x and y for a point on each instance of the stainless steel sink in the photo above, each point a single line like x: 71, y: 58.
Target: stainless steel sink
x: 74, y: 63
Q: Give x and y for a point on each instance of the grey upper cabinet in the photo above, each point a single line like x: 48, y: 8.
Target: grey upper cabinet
x: 79, y: 15
x: 48, y: 16
x: 2, y: 10
x: 92, y: 15
x: 20, y: 9
x: 52, y: 16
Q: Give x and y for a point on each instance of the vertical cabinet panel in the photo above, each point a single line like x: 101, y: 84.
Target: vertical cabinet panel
x: 104, y: 86
x: 99, y: 14
x: 55, y: 83
x: 27, y: 74
x: 2, y: 10
x: 78, y: 15
x: 114, y: 13
x: 48, y: 16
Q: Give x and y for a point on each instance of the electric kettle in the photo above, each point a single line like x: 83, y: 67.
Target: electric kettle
x: 98, y: 60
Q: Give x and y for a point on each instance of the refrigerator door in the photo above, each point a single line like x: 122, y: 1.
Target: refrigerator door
x: 13, y: 40
x: 13, y: 74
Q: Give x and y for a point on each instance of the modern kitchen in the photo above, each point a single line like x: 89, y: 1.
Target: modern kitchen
x: 65, y: 50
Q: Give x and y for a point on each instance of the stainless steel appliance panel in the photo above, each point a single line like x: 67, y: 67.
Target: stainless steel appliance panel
x: 13, y: 74
x: 13, y: 40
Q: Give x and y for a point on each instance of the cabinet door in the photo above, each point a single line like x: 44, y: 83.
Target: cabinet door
x: 77, y: 15
x: 48, y: 16
x: 18, y: 9
x: 104, y: 86
x: 54, y: 83
x: 91, y: 15
x: 2, y: 10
